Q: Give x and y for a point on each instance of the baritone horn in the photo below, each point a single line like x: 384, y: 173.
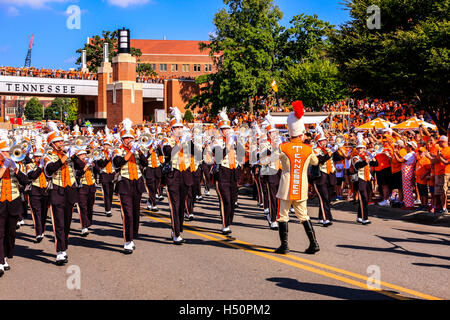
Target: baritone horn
x: 17, y: 153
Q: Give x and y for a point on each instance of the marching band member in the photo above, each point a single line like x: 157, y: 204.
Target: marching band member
x: 63, y: 192
x: 10, y: 203
x: 153, y: 173
x: 107, y: 174
x: 362, y: 163
x: 324, y: 184
x: 271, y: 172
x: 130, y: 185
x: 85, y: 176
x: 194, y: 191
x: 226, y: 176
x: 177, y: 178
x: 295, y: 157
x: 207, y: 165
x: 39, y: 197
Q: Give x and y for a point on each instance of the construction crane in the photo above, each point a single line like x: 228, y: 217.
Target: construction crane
x: 21, y: 100
x: 30, y: 46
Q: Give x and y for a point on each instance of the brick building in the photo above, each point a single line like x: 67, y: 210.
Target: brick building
x: 179, y: 62
x: 180, y: 58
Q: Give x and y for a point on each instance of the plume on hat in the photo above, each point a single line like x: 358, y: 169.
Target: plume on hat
x: 127, y: 124
x: 299, y: 111
x: 52, y: 126
x: 175, y: 112
x: 107, y: 131
x: 223, y: 115
x: 320, y: 130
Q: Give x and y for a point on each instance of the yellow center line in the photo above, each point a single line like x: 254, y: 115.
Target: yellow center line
x: 256, y: 251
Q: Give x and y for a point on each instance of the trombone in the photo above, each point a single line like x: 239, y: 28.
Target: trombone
x: 97, y: 154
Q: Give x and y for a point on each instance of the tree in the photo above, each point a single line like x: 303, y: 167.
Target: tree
x: 188, y: 117
x: 34, y: 109
x: 72, y: 111
x: 94, y: 50
x: 244, y: 40
x: 145, y: 69
x: 60, y: 107
x: 406, y: 59
x: 315, y: 82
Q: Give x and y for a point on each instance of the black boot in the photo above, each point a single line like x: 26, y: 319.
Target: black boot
x: 283, y: 231
x: 313, y: 245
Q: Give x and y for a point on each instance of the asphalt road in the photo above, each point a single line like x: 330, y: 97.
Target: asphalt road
x: 410, y: 260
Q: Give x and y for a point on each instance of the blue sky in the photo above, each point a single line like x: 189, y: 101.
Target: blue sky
x: 55, y: 44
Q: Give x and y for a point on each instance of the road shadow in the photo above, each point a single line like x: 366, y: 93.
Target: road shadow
x: 329, y: 291
x: 395, y: 249
x: 33, y: 254
x: 431, y: 265
x: 424, y: 232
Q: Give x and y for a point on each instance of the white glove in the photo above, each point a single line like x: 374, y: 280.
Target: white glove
x: 134, y: 147
x: 6, y: 163
x: 110, y: 154
x: 41, y: 163
x: 334, y: 149
x: 70, y: 152
x: 89, y: 162
x: 12, y: 165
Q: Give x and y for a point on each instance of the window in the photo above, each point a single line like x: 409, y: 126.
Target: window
x: 153, y: 66
x: 197, y: 68
x: 11, y: 110
x: 186, y: 68
x: 163, y: 67
x: 174, y: 68
x: 208, y: 67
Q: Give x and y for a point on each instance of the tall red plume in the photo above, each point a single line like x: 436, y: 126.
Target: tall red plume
x: 299, y: 111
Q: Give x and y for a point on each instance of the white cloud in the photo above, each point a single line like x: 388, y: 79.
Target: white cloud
x: 127, y: 3
x: 13, y: 12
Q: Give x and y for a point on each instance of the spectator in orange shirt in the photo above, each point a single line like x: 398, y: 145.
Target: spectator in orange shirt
x: 443, y: 156
x: 423, y: 172
x: 396, y: 168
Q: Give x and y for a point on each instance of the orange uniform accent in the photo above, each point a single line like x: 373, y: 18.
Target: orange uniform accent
x: 6, y: 187
x: 297, y: 153
x: 108, y: 168
x: 65, y: 175
x: 132, y: 168
x: 153, y: 159
x: 42, y: 180
x: 181, y: 163
x: 88, y: 175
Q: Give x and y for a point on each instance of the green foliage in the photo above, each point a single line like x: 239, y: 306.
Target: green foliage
x: 33, y: 109
x: 188, y: 117
x: 408, y: 58
x: 315, y: 82
x: 94, y: 50
x: 59, y: 107
x: 145, y: 69
x: 245, y: 40
x: 254, y: 49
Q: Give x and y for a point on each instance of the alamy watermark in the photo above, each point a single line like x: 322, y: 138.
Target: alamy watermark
x: 74, y: 17
x: 73, y: 282
x: 373, y: 281
x: 374, y: 19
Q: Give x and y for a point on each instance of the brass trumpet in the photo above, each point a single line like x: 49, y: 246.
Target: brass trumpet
x: 97, y: 154
x: 340, y: 140
x: 378, y: 147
